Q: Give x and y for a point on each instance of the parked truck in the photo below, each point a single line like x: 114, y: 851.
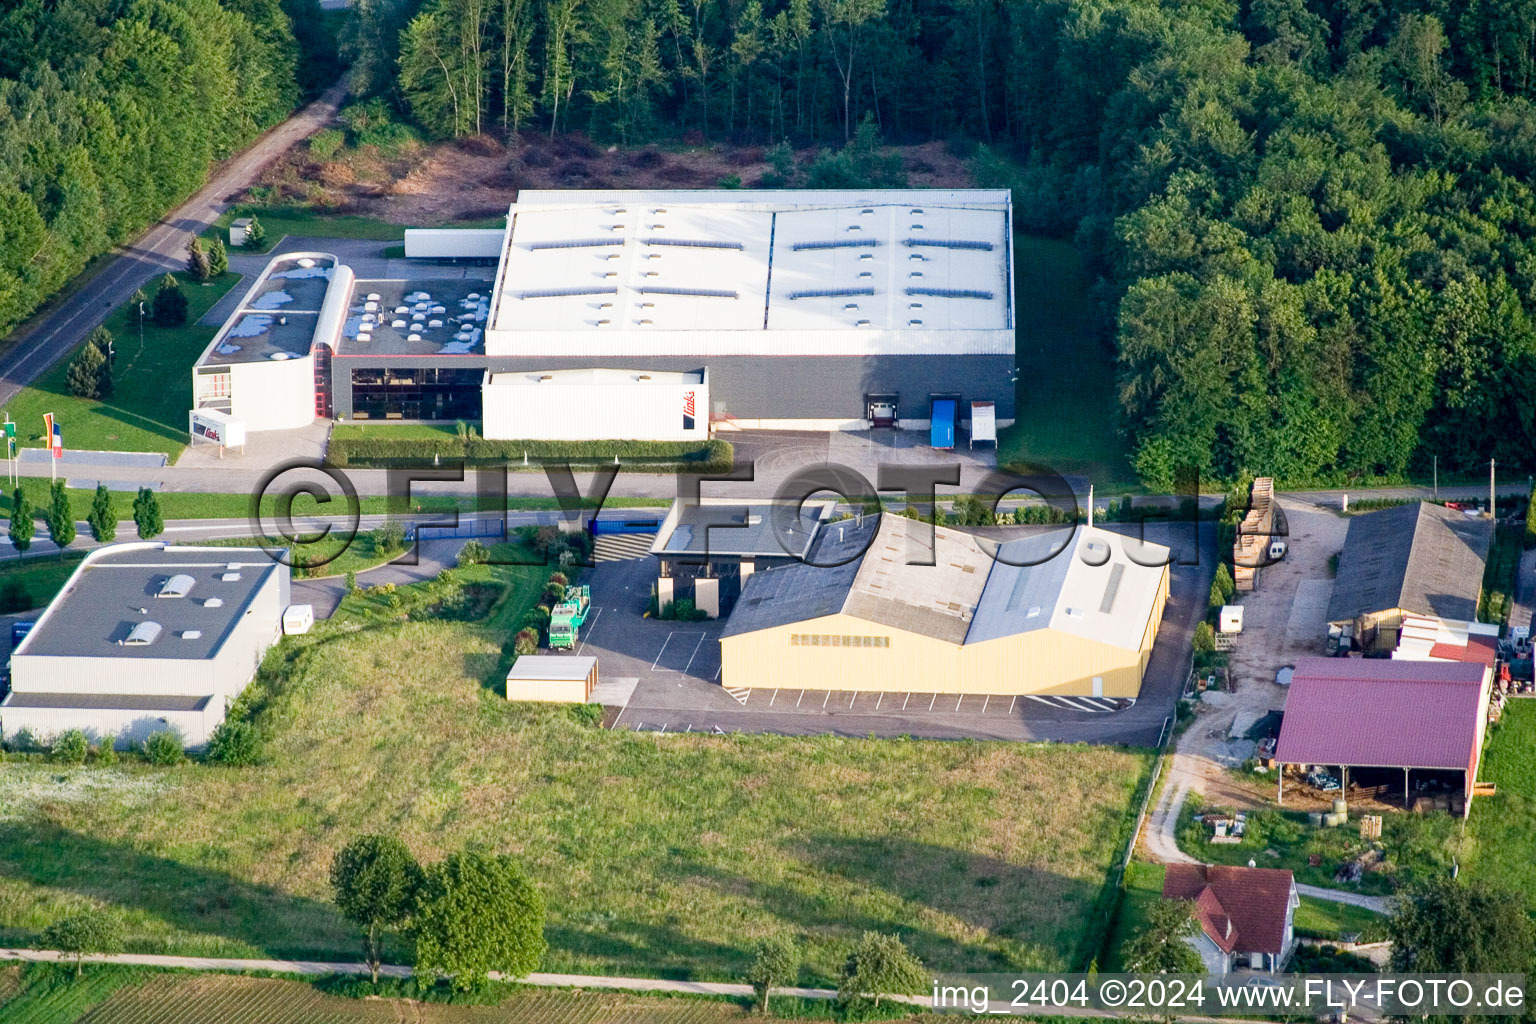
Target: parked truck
x: 566, y: 618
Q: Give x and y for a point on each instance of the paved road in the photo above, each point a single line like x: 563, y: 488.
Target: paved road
x: 159, y: 249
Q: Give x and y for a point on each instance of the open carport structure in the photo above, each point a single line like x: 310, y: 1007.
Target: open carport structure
x: 1375, y: 715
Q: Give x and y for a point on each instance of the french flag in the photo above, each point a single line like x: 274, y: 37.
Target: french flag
x: 55, y: 436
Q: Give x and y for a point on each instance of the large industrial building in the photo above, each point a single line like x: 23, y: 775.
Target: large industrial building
x: 145, y: 637
x: 875, y: 607
x: 683, y: 311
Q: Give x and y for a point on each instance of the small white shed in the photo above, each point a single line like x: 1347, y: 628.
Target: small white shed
x: 237, y: 230
x: 559, y: 678
x: 1231, y: 619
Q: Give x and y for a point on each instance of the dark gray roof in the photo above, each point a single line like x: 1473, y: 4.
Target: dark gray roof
x: 1020, y: 598
x: 101, y: 603
x: 804, y: 590
x: 1419, y: 557
x: 745, y: 529
x: 449, y: 295
x: 107, y: 701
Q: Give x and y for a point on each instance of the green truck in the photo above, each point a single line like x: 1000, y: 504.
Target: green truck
x: 566, y: 618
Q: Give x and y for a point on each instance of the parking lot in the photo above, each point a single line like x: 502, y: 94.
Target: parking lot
x: 665, y: 676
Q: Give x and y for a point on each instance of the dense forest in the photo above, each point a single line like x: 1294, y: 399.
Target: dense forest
x: 1312, y: 220
x: 110, y: 113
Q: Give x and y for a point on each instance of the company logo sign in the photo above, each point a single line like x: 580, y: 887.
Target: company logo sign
x: 689, y: 407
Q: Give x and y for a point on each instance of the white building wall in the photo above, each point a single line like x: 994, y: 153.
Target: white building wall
x: 223, y: 675
x: 594, y: 412
x: 127, y: 728
x: 852, y: 341
x: 275, y: 394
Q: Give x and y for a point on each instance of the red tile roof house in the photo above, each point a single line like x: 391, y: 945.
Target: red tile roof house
x: 1245, y: 914
x: 1424, y: 716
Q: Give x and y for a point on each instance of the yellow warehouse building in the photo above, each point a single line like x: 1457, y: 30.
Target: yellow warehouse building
x: 878, y: 607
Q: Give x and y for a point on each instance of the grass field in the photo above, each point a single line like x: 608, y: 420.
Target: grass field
x: 658, y: 855
x: 1068, y: 415
x: 1503, y: 826
x: 123, y: 997
x: 280, y: 221
x: 332, y: 555
x: 152, y: 391
x: 41, y: 578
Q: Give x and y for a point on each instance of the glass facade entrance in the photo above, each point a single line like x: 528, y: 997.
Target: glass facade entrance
x: 416, y: 393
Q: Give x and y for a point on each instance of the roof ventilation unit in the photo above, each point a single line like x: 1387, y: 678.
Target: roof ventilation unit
x: 866, y: 255
x: 214, y: 602
x: 643, y: 376
x: 229, y: 577
x: 645, y: 323
x: 917, y: 211
x: 177, y: 586
x: 914, y: 323
x: 861, y: 323
x: 142, y: 635
x: 191, y: 634
x: 600, y: 323
x: 544, y: 379
x: 851, y: 305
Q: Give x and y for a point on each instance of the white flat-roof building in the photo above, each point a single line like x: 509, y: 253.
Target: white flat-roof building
x: 812, y: 310
x: 146, y: 637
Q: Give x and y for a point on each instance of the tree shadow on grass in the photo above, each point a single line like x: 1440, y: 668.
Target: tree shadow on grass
x: 1011, y: 917
x: 189, y: 898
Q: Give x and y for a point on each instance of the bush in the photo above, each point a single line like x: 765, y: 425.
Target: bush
x: 70, y: 748
x: 324, y: 145
x: 104, y: 753
x: 526, y: 641
x: 169, y: 308
x: 587, y: 714
x: 164, y: 748
x: 638, y: 456
x: 1205, y: 638
x: 235, y: 743
x: 473, y: 553
x: 15, y: 597
x: 389, y: 537
x: 88, y: 374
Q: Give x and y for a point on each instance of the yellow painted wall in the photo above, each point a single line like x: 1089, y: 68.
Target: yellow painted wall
x: 1043, y: 661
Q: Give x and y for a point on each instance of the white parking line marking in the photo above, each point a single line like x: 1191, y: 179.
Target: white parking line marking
x: 583, y: 645
x: 984, y: 702
x: 1012, y: 703
x: 826, y: 698
x: 852, y: 697
x: 957, y: 702
x: 800, y: 698
x: 661, y: 652
x: 931, y: 700
x: 878, y: 700
x: 773, y: 698
x: 694, y: 654
x: 1042, y: 700
x: 904, y: 702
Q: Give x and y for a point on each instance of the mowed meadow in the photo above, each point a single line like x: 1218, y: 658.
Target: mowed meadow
x: 657, y: 855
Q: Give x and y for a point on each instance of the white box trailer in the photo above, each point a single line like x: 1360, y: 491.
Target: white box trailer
x: 453, y: 243
x: 298, y: 618
x: 983, y: 422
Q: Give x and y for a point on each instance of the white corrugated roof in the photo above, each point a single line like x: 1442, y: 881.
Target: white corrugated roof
x: 775, y: 273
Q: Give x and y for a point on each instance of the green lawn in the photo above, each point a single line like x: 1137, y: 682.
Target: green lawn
x: 280, y: 221
x: 334, y: 554
x: 1068, y: 416
x: 1416, y: 846
x: 32, y: 582
x: 1323, y: 919
x: 152, y: 392
x: 657, y: 855
x: 1503, y: 826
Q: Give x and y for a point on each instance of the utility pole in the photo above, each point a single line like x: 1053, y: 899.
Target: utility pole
x: 1435, y: 463
x: 1493, y: 512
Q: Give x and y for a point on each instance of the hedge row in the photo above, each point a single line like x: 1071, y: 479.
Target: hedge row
x: 634, y: 456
